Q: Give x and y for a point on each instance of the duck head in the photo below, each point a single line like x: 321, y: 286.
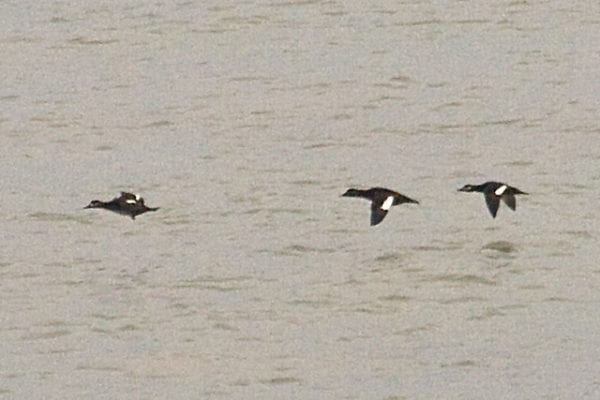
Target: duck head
x: 467, y: 188
x: 95, y: 204
x: 352, y: 193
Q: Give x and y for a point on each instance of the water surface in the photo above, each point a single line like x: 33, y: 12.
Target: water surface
x: 245, y: 122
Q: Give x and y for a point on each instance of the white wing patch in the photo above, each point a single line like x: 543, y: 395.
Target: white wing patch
x: 130, y: 201
x: 387, y: 204
x: 500, y: 190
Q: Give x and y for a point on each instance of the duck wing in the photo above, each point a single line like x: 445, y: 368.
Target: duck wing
x: 127, y: 195
x: 510, y: 201
x: 126, y: 198
x: 380, y: 208
x: 377, y: 214
x: 492, y: 202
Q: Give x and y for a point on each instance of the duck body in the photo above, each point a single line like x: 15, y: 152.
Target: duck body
x: 493, y: 193
x: 382, y: 200
x: 127, y: 204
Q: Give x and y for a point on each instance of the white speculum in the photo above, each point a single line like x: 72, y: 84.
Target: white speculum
x: 387, y: 204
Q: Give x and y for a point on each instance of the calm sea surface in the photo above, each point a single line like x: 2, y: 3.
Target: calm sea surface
x: 245, y: 121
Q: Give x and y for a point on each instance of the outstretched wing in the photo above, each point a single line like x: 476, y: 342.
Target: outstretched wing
x: 510, y: 201
x: 492, y: 202
x: 377, y: 214
x: 379, y: 209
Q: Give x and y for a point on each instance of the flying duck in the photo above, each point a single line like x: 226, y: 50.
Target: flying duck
x: 381, y: 201
x: 127, y: 204
x: 493, y: 192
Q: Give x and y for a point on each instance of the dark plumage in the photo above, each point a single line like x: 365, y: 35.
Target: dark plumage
x: 381, y: 201
x: 128, y: 204
x: 493, y: 193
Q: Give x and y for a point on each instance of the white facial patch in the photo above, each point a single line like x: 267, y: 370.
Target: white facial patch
x: 387, y: 204
x: 500, y: 190
x: 137, y: 197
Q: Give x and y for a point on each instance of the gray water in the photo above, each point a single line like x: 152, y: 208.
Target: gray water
x: 245, y: 122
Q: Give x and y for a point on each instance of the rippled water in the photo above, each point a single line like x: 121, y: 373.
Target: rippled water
x: 245, y: 122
